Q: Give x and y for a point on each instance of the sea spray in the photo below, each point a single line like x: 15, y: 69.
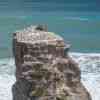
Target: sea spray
x: 90, y: 67
x: 6, y: 78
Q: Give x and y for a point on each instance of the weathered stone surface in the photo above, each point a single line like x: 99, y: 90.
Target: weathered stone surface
x: 44, y: 71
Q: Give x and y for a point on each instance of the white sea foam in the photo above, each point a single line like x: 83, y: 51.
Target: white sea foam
x: 6, y: 78
x: 90, y: 66
x: 88, y: 62
x: 5, y: 87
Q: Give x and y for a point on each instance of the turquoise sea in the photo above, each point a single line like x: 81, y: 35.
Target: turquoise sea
x: 82, y: 32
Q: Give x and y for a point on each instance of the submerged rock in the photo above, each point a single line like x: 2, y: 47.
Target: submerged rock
x: 44, y: 71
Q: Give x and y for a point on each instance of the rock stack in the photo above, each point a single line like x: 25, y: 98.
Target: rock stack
x: 44, y: 71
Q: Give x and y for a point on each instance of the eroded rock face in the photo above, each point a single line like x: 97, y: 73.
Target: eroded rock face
x: 44, y: 71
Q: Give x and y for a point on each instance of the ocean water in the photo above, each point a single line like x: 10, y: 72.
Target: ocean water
x: 79, y: 29
x: 89, y: 64
x: 82, y: 32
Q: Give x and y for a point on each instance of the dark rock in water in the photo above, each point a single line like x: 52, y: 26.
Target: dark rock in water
x: 44, y: 71
x: 21, y: 89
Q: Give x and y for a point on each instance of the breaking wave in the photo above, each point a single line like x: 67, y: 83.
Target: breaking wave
x: 90, y: 67
x: 88, y: 62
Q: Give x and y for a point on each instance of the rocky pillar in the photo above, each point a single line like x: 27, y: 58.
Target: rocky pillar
x: 44, y: 71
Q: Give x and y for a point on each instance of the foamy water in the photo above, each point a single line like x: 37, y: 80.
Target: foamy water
x: 89, y: 64
x: 90, y: 67
x: 7, y: 78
